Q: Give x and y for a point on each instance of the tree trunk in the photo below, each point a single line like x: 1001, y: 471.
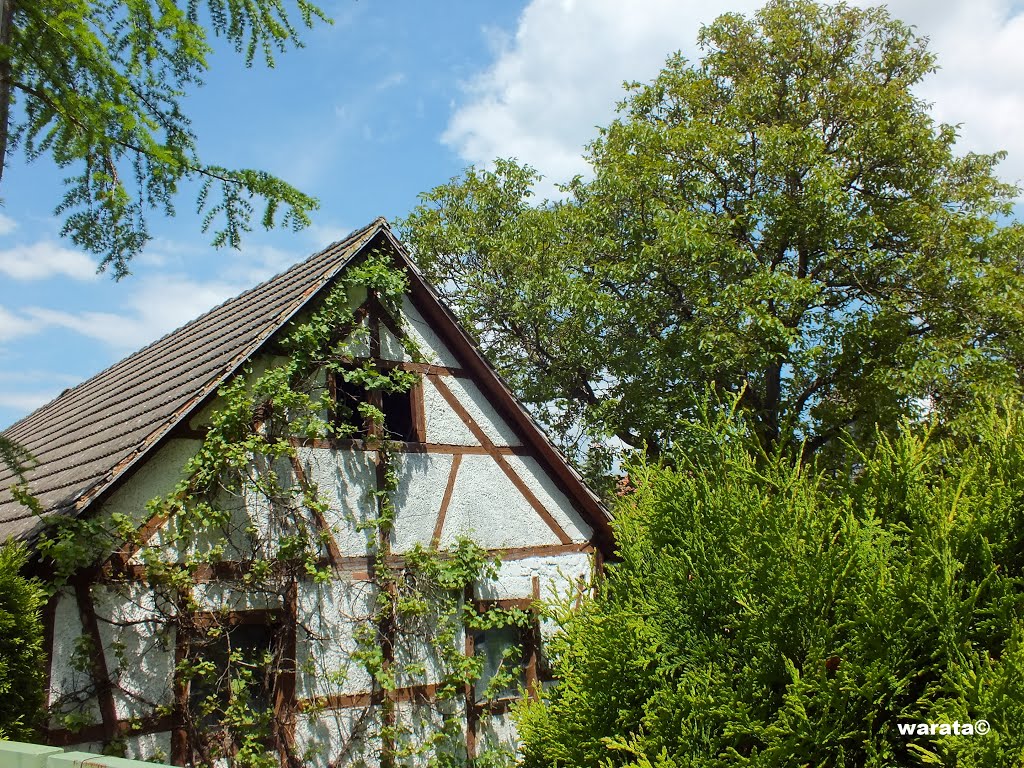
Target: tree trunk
x: 6, y: 79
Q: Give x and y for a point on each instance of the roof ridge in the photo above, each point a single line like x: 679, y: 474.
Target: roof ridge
x: 99, y: 432
x: 27, y: 419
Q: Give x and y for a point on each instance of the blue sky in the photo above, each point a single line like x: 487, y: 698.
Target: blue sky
x: 396, y: 97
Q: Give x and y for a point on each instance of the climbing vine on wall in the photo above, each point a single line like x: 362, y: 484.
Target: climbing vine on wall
x: 237, y: 575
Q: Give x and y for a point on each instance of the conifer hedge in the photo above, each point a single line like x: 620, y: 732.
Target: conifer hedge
x: 766, y: 614
x: 21, y: 648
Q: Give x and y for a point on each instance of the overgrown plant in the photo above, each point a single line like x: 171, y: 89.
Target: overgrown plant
x: 768, y: 614
x: 21, y: 648
x: 246, y: 537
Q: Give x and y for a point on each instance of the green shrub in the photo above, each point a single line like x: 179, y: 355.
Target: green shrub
x: 21, y: 648
x: 764, y: 614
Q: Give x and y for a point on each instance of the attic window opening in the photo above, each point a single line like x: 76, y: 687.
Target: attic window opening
x: 402, y: 411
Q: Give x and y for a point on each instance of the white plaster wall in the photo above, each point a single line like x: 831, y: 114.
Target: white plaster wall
x: 558, y: 574
x: 486, y: 507
x: 443, y: 424
x: 257, y: 367
x: 250, y: 527
x: 157, y: 476
x: 350, y: 737
x: 216, y: 596
x: 417, y: 722
x: 414, y: 645
x: 150, y: 746
x: 357, y: 344
x: 391, y: 348
x: 269, y: 527
x: 346, y: 480
x: 328, y: 615
x: 481, y: 411
x: 230, y: 539
x: 497, y: 732
x: 553, y: 500
x: 426, y: 340
x: 138, y: 648
x: 344, y: 737
x: 65, y: 680
x: 422, y: 478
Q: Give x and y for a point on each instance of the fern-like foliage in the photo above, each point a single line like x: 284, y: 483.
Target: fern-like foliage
x: 98, y: 87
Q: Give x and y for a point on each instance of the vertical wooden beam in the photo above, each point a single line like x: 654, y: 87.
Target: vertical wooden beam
x: 419, y: 413
x: 181, y: 745
x: 386, y: 628
x: 374, y: 396
x: 386, y: 625
x: 285, y: 706
x: 531, y: 646
x: 472, y: 713
x: 374, y: 326
x: 179, y: 733
x: 49, y: 614
x: 48, y: 617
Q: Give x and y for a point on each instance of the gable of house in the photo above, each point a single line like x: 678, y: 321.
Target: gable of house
x: 471, y: 464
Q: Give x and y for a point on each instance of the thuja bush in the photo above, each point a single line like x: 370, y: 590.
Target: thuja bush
x: 764, y: 613
x: 21, y: 647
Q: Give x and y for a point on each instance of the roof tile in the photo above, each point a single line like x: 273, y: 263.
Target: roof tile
x: 93, y: 432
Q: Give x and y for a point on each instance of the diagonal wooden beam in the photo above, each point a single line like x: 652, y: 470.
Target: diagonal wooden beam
x: 333, y: 552
x: 435, y: 540
x: 98, y: 661
x: 495, y: 454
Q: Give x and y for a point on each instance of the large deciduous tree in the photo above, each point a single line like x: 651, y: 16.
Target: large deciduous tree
x: 783, y: 219
x: 98, y: 86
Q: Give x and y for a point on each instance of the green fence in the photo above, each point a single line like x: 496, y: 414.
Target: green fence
x: 15, y: 754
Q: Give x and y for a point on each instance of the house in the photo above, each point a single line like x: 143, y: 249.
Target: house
x: 355, y: 523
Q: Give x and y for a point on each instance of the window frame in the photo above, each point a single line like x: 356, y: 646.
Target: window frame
x: 283, y: 680
x: 417, y: 416
x: 533, y: 670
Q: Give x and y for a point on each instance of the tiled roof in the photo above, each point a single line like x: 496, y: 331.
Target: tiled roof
x: 95, y: 432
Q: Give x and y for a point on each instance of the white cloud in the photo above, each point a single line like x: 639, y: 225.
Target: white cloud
x: 166, y: 302
x: 7, y: 225
x: 26, y: 402
x: 560, y: 74
x: 45, y: 259
x: 256, y: 263
x: 155, y: 307
x: 12, y: 326
x: 113, y: 329
x: 393, y: 80
x: 980, y: 48
x: 322, y: 234
x: 147, y: 306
